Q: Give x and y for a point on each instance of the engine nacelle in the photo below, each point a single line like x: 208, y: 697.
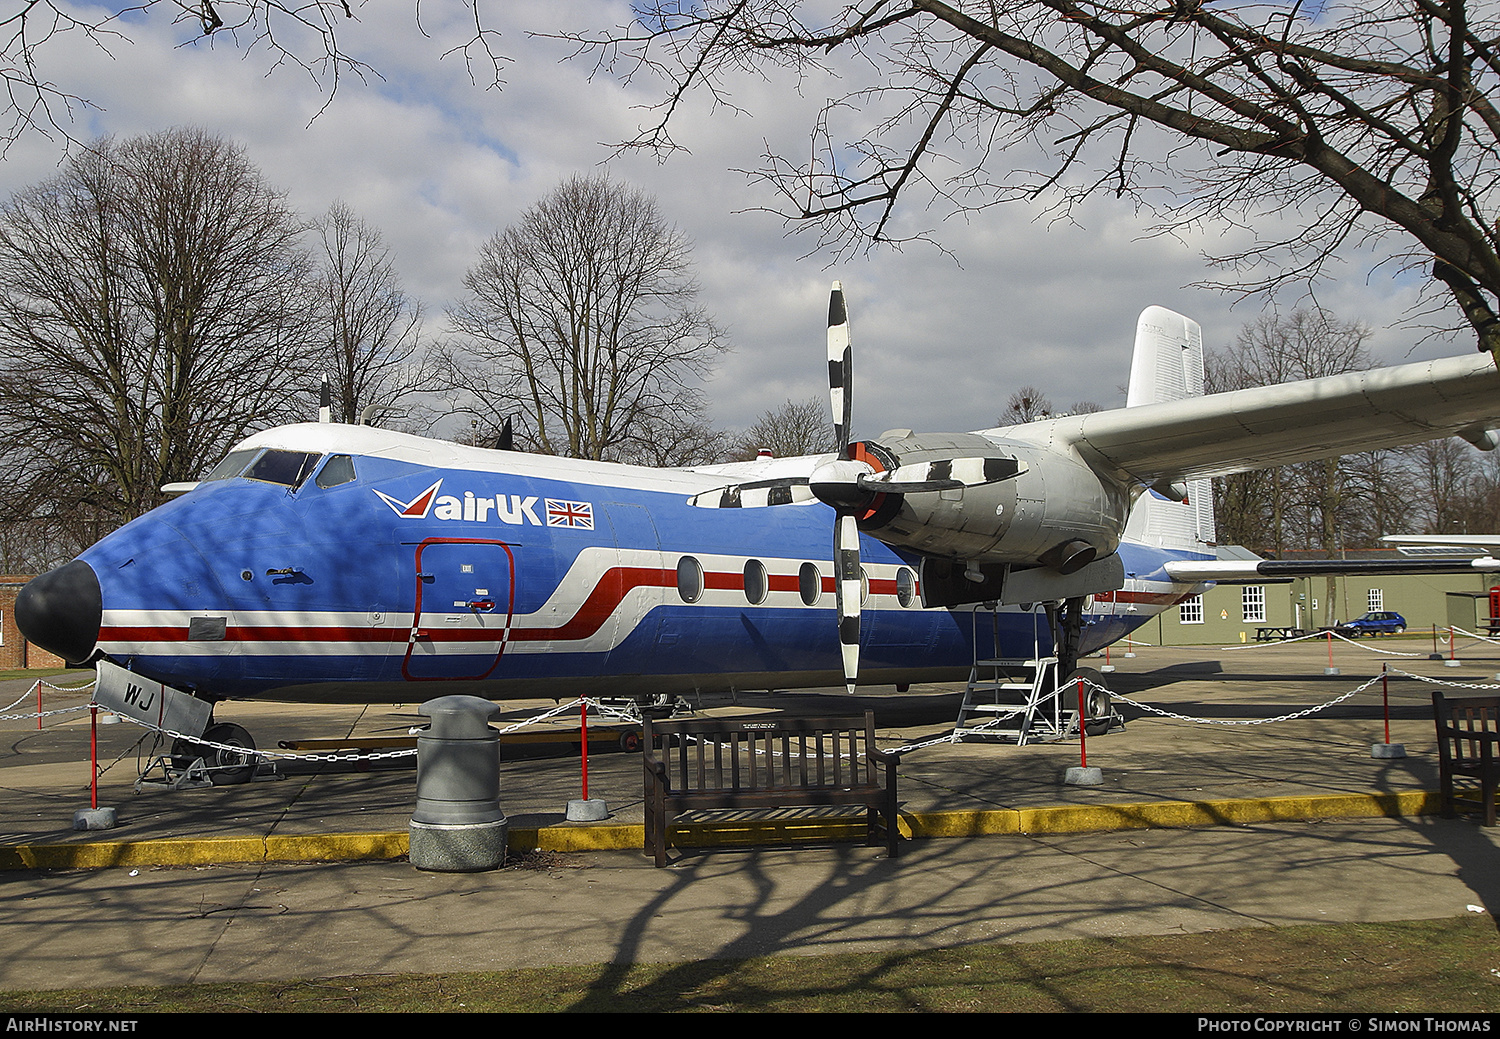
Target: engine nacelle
x: 1059, y: 513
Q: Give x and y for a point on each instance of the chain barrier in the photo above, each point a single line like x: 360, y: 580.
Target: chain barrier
x: 1318, y: 635
x: 631, y: 713
x: 1476, y: 635
x: 955, y: 737
x: 1278, y: 642
x: 1249, y: 721
x: 625, y: 714
x: 87, y: 687
x: 24, y: 715
x: 1455, y: 685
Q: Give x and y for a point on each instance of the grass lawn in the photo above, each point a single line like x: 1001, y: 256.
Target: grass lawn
x: 1448, y: 966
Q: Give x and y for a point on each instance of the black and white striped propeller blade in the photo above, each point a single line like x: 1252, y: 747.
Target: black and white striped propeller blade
x: 838, y: 484
x: 942, y: 475
x: 850, y: 485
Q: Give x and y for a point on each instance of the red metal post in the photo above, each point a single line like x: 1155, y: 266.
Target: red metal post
x: 93, y: 756
x: 583, y: 717
x: 1083, y: 743
x: 1385, y: 700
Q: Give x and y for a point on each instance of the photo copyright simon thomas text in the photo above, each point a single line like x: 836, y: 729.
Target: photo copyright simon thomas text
x: 1375, y: 1024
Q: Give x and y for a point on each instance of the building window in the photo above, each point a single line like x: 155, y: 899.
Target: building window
x: 1375, y: 602
x: 1190, y: 610
x: 1253, y: 603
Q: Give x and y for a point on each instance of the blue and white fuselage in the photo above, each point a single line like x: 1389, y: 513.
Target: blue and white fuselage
x: 396, y: 562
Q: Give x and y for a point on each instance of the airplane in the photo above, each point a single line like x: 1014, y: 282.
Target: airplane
x: 321, y: 562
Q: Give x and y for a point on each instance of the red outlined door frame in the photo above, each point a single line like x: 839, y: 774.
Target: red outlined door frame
x: 447, y: 635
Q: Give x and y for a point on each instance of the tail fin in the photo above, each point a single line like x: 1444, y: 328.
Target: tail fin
x: 1168, y: 366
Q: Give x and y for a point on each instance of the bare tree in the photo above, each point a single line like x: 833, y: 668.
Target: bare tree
x: 796, y: 428
x: 582, y: 318
x: 1025, y: 405
x: 310, y: 36
x: 1306, y: 344
x: 372, y: 348
x: 678, y: 440
x: 1374, y: 123
x: 153, y: 309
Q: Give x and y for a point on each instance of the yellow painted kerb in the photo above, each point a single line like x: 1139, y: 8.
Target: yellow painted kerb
x: 977, y: 823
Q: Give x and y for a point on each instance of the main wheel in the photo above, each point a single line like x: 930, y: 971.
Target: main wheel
x: 1095, y: 698
x: 230, y: 767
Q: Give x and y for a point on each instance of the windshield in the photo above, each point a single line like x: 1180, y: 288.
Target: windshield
x: 231, y: 466
x: 339, y: 470
x: 288, y: 468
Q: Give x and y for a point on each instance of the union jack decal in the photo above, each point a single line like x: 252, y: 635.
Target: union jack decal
x: 570, y: 514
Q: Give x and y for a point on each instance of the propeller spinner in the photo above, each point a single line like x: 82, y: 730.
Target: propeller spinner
x: 850, y: 485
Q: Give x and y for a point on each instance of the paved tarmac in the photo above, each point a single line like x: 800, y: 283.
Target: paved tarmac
x: 1312, y: 828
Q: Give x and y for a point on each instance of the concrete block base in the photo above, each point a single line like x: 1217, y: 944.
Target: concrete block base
x: 94, y: 819
x: 469, y: 848
x: 1387, y: 750
x: 590, y: 811
x: 1079, y: 775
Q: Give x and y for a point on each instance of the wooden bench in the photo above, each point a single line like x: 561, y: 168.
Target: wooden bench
x: 703, y: 764
x: 1468, y: 729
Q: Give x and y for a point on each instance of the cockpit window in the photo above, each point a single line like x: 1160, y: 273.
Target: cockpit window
x: 338, y: 470
x: 231, y: 466
x: 288, y: 468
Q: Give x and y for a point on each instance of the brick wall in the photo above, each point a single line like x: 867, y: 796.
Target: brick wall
x: 16, y: 652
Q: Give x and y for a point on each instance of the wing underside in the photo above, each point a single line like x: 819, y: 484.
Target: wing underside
x: 1242, y: 430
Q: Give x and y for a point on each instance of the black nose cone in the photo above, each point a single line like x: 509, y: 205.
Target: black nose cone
x: 61, y: 610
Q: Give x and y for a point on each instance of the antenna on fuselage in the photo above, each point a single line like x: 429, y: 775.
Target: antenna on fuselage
x: 506, y: 440
x: 325, y: 401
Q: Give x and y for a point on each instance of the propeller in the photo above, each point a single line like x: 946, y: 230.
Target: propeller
x: 850, y: 485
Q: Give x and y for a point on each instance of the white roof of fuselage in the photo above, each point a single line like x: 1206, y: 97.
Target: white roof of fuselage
x: 336, y: 438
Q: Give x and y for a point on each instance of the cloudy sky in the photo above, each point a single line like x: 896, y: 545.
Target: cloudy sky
x: 439, y: 163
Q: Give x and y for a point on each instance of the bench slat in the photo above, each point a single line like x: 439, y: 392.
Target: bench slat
x: 752, y: 777
x: 1468, y: 730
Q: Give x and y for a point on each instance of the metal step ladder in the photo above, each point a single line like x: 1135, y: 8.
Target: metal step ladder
x: 1010, y: 699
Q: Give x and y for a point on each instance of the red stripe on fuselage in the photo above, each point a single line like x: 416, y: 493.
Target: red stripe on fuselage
x: 611, y: 590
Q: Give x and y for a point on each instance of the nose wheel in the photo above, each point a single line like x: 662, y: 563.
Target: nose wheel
x: 231, y: 762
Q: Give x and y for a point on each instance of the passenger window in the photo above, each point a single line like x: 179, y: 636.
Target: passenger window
x: 906, y: 587
x: 689, y: 579
x: 810, y: 584
x: 338, y: 470
x: 288, y: 468
x: 756, y: 584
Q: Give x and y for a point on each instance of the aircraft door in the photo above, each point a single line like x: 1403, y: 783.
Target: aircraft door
x: 465, y: 594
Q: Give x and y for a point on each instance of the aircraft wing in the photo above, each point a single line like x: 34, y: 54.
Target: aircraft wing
x: 1488, y: 542
x: 1234, y: 432
x: 1249, y: 570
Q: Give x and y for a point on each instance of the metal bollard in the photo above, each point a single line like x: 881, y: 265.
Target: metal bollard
x: 458, y: 826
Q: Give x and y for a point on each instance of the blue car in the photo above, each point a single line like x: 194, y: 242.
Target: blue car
x: 1381, y: 622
